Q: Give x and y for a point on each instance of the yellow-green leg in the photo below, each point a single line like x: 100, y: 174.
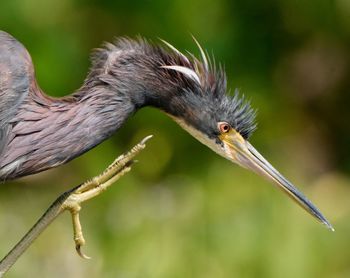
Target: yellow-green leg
x: 71, y: 201
x: 96, y: 186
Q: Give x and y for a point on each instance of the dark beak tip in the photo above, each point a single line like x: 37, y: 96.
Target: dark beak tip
x: 250, y: 158
x: 318, y: 215
x: 324, y: 221
x: 328, y: 225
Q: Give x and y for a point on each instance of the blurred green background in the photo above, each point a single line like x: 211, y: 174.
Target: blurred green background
x: 183, y: 211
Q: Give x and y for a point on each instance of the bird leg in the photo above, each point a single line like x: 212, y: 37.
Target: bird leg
x: 94, y: 187
x: 71, y: 201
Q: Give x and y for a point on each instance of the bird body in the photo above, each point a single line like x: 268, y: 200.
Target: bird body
x: 43, y: 132
x: 38, y: 132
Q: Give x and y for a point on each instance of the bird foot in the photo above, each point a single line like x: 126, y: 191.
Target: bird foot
x: 94, y: 187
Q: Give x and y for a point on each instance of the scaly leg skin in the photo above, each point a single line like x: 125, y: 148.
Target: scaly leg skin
x: 94, y: 187
x: 71, y: 201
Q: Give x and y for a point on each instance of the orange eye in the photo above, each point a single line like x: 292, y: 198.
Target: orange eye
x: 224, y: 127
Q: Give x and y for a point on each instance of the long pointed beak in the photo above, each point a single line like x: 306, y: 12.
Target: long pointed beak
x: 243, y: 153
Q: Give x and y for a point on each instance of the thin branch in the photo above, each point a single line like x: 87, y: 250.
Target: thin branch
x: 71, y: 201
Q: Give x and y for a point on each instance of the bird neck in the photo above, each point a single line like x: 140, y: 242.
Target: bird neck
x: 134, y: 70
x: 48, y: 132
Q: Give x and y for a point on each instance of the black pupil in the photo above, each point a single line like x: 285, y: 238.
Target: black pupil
x: 225, y: 127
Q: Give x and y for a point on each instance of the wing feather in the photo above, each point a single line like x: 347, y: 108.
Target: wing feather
x: 16, y: 76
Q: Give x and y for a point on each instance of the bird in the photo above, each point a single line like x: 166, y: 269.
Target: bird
x: 40, y: 132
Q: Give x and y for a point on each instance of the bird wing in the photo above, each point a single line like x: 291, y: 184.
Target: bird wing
x: 16, y: 76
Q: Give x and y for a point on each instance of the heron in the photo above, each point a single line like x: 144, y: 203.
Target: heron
x: 39, y: 132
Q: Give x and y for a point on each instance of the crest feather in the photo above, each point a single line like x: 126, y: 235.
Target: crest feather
x: 204, y: 56
x: 186, y: 71
x: 173, y: 48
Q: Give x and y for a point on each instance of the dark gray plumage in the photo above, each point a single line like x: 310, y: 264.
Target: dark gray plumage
x: 134, y: 68
x: 40, y: 132
x: 15, y: 78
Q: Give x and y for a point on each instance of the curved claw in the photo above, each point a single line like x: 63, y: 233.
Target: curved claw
x: 94, y: 187
x: 80, y: 253
x: 144, y: 140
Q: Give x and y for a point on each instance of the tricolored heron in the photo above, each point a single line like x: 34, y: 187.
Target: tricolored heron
x: 38, y: 132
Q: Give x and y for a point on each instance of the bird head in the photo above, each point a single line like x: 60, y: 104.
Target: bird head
x: 224, y: 123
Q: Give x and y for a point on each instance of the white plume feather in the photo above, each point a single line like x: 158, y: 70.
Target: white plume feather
x: 175, y: 50
x: 186, y: 71
x: 204, y: 56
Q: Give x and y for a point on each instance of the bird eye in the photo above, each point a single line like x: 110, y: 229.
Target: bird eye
x: 224, y: 127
